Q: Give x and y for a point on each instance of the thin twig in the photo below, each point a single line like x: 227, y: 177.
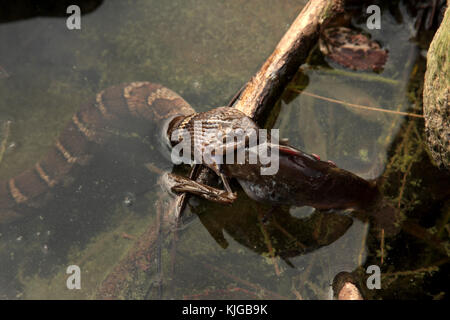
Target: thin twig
x: 429, y: 269
x: 5, y: 139
x: 358, y: 106
x: 402, y: 188
x: 296, y: 293
x: 357, y: 75
x: 307, y: 271
x: 290, y: 236
x: 154, y: 169
x: 363, y: 244
x: 269, y: 245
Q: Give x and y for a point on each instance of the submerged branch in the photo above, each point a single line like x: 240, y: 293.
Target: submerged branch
x: 265, y: 88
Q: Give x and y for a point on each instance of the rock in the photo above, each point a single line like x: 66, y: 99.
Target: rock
x: 345, y: 287
x: 436, y: 95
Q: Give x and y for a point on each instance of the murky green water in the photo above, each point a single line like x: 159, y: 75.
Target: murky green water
x: 104, y: 219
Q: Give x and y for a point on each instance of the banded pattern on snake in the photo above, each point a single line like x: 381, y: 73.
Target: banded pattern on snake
x: 137, y: 105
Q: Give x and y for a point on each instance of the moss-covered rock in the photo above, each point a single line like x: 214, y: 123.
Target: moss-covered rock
x: 436, y: 95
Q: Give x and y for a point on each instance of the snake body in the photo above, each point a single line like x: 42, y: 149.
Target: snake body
x: 139, y: 106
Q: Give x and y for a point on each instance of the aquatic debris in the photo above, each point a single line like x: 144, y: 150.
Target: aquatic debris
x: 129, y: 199
x: 352, y: 49
x: 358, y: 106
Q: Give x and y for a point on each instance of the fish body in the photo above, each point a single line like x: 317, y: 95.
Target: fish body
x: 303, y: 180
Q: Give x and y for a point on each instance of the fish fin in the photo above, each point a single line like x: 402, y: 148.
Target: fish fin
x: 285, y: 149
x: 289, y: 150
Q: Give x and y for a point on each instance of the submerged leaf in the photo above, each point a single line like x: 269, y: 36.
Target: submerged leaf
x: 352, y: 49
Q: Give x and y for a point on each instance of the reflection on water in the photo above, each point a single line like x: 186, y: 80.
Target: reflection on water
x: 113, y: 219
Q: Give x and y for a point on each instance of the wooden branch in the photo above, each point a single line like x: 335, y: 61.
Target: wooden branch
x: 266, y: 87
